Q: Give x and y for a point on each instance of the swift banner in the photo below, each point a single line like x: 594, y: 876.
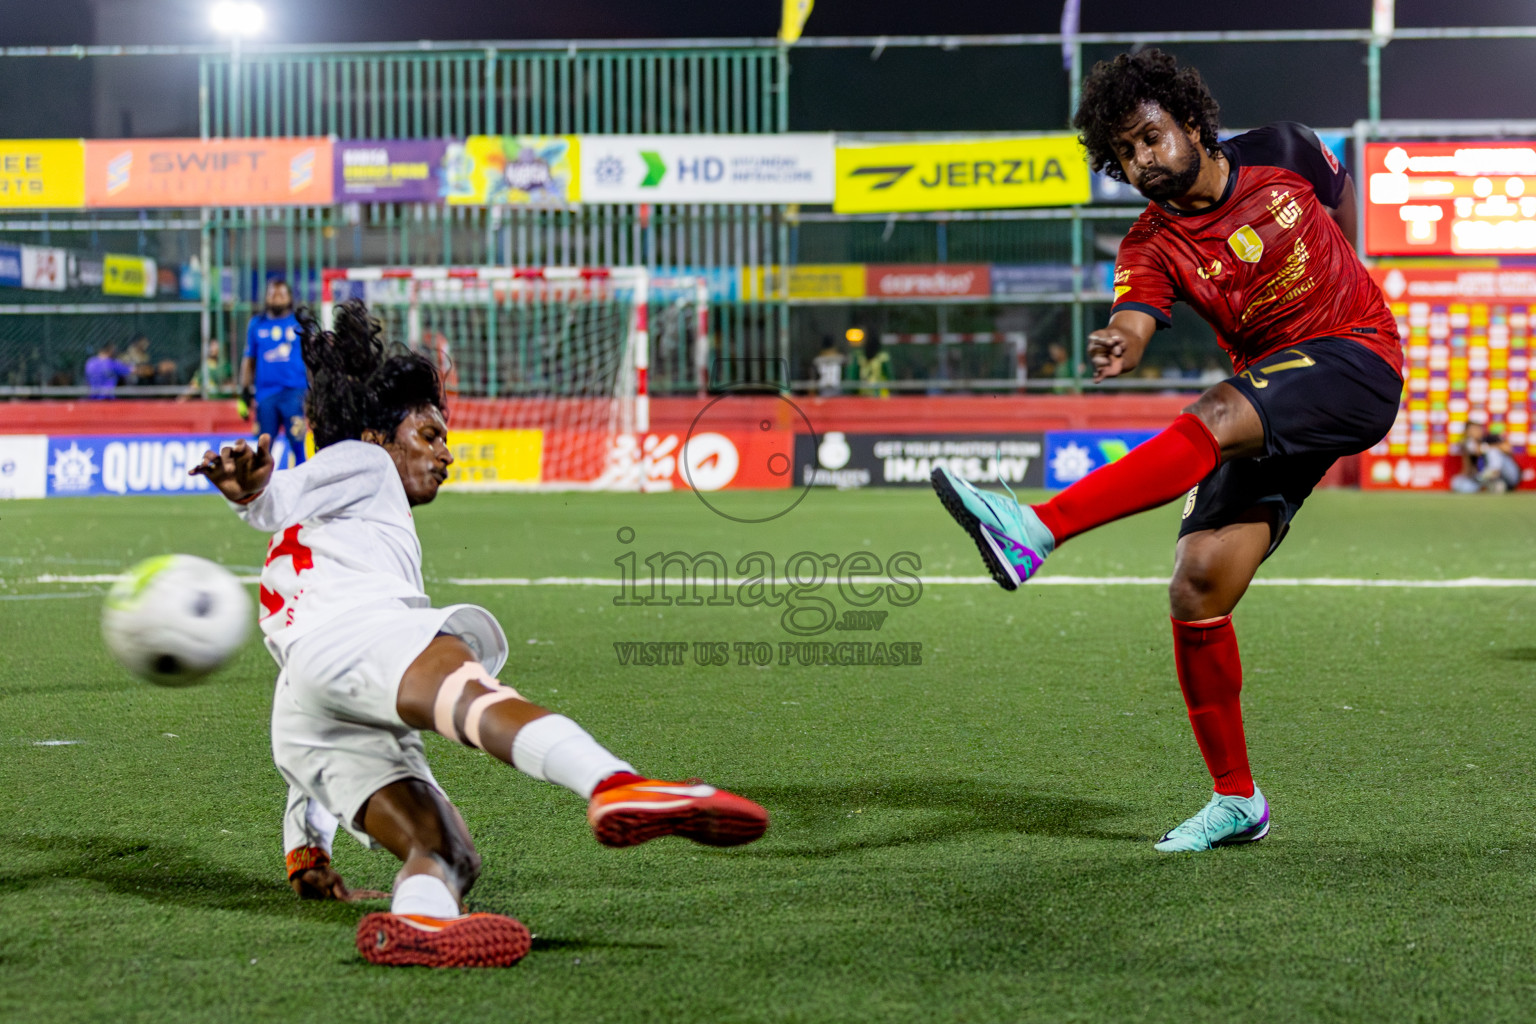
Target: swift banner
x: 389, y: 171
x: 790, y: 168
x: 512, y: 170
x: 42, y: 173
x: 1038, y: 170
x: 213, y: 172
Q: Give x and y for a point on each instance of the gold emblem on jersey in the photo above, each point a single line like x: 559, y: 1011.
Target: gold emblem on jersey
x: 1301, y: 362
x: 1189, y: 502
x: 1211, y: 272
x: 1122, y: 283
x: 1246, y: 244
x: 1285, y: 210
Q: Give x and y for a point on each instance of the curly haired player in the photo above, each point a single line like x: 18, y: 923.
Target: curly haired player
x: 366, y: 662
x: 1257, y: 235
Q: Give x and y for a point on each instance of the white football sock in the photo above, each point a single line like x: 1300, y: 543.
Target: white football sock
x: 555, y: 749
x: 425, y: 895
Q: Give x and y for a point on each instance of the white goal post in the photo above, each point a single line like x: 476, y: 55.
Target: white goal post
x: 547, y: 368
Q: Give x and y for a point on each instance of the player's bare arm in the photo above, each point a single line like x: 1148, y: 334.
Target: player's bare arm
x: 1118, y: 347
x: 239, y: 471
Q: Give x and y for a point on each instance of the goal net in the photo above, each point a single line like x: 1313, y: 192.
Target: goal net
x: 546, y: 368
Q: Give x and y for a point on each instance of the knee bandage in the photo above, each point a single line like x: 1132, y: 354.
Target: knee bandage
x: 452, y: 692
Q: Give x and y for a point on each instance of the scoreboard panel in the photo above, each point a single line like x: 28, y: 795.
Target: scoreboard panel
x: 1450, y: 198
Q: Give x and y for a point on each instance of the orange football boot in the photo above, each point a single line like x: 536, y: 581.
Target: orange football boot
x: 637, y: 812
x: 475, y: 940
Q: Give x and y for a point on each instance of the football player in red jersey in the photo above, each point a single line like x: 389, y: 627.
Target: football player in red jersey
x: 1256, y: 234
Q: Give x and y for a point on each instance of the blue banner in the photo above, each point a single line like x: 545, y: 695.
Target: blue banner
x: 1071, y: 455
x: 10, y: 266
x: 107, y: 464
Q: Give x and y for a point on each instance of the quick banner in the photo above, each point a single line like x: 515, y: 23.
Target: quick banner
x: 97, y: 464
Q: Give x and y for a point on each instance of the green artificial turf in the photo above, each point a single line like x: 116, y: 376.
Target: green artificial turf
x: 963, y: 840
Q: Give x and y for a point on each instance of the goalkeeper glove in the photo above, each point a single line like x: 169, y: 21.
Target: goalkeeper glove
x: 244, y: 402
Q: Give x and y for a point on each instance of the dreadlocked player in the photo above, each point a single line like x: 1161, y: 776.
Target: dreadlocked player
x: 1257, y: 236
x: 366, y: 662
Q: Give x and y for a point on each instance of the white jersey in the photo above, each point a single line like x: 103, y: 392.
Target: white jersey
x: 343, y: 538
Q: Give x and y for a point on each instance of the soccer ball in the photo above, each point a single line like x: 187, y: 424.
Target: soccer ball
x: 173, y: 619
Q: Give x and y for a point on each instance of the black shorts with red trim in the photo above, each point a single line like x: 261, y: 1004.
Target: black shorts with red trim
x: 1319, y: 400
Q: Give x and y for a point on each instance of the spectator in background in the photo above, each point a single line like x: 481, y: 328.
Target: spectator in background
x: 272, y: 374
x: 145, y: 369
x: 828, y: 364
x: 219, y: 373
x: 1486, y: 463
x: 104, y: 370
x: 874, y: 367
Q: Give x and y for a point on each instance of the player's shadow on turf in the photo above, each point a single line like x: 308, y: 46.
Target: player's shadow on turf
x: 160, y: 872
x: 1516, y: 654
x: 838, y: 819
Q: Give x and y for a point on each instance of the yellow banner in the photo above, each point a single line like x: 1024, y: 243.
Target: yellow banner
x: 1039, y: 170
x: 512, y: 170
x: 128, y: 275
x: 806, y: 281
x: 47, y: 173
x: 490, y: 458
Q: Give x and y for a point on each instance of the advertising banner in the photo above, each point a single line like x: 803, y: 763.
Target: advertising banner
x: 127, y: 464
x: 789, y: 168
x: 1071, y: 455
x: 23, y: 466
x: 389, y: 170
x: 494, y: 457
x: 712, y: 460
x: 46, y: 173
x: 512, y: 170
x: 1408, y: 473
x: 10, y: 266
x: 1444, y: 198
x: 927, y: 280
x: 847, y: 461
x: 1037, y: 170
x: 128, y: 275
x: 44, y: 269
x: 208, y: 172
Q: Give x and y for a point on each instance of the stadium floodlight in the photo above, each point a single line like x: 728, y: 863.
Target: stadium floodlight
x: 237, y: 19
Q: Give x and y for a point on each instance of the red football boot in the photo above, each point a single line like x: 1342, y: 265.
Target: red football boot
x: 475, y: 940
x: 637, y: 812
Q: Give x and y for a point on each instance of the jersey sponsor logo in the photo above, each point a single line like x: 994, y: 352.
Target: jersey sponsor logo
x: 278, y: 353
x: 285, y: 544
x: 1189, y: 502
x: 1246, y: 244
x: 1284, y: 286
x: 1285, y: 210
x: 1211, y: 272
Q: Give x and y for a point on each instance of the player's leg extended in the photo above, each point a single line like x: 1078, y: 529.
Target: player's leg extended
x: 1211, y: 573
x: 426, y: 924
x: 1014, y: 539
x: 447, y: 691
x: 295, y: 423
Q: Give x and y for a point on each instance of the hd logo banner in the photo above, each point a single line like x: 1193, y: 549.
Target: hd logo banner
x: 1036, y: 170
x: 789, y: 168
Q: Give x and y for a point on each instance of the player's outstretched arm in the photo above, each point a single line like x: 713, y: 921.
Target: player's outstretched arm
x: 239, y: 471
x: 1118, y: 348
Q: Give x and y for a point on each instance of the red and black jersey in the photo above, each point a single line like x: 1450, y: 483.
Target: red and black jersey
x: 1266, y: 265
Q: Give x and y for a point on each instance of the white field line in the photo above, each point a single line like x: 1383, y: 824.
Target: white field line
x: 1461, y: 583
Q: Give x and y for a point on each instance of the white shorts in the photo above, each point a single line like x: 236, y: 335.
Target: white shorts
x: 336, y: 734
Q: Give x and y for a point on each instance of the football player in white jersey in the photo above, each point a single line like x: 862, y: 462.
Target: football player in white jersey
x: 365, y: 662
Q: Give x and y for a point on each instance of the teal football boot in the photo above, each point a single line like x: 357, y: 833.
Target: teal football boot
x: 1225, y: 821
x: 1011, y: 538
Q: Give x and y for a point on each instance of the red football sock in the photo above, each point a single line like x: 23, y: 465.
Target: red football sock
x: 1211, y: 676
x: 1151, y: 474
x: 617, y: 779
